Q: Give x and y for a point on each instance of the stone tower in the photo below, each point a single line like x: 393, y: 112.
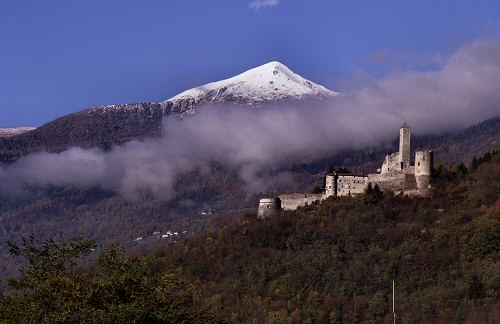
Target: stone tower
x: 423, y: 168
x: 331, y: 185
x: 404, y: 146
x: 268, y: 207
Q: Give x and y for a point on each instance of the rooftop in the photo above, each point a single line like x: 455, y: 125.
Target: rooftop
x: 405, y: 125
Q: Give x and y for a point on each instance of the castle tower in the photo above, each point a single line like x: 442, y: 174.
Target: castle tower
x: 404, y: 146
x: 423, y: 168
x: 330, y: 185
x: 268, y: 207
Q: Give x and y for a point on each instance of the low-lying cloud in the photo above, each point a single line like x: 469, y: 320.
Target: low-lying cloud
x: 466, y: 90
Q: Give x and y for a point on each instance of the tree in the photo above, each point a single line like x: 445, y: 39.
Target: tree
x: 377, y: 306
x: 462, y: 170
x: 51, y: 289
x: 373, y: 194
x: 47, y: 290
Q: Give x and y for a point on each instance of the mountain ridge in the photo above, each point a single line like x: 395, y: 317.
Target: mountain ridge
x: 103, y: 126
x: 13, y: 131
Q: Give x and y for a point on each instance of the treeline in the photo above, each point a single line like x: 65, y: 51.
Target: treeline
x: 95, y: 127
x: 327, y: 263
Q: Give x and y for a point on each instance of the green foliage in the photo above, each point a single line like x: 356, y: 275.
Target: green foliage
x: 53, y: 258
x: 483, y: 159
x: 377, y: 307
x: 487, y: 239
x: 51, y: 289
x: 373, y: 195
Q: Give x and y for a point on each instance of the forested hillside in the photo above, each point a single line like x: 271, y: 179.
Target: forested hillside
x: 107, y: 216
x: 94, y: 127
x: 327, y: 263
x: 335, y: 262
x: 452, y: 147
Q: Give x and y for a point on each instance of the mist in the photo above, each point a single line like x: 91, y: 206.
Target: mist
x: 257, y: 140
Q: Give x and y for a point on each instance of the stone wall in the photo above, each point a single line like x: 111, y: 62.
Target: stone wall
x: 330, y: 185
x: 391, y: 163
x: 348, y: 185
x: 394, y: 181
x: 423, y: 168
x: 295, y: 200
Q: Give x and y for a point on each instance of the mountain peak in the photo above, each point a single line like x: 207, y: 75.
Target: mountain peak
x: 269, y: 82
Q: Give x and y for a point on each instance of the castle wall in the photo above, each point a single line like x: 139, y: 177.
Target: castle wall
x: 391, y: 163
x: 295, y: 200
x: 395, y: 181
x: 348, y: 185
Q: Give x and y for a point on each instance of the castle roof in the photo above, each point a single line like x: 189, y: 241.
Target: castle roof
x: 405, y: 125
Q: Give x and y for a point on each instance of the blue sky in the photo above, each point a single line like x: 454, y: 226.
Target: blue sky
x: 57, y: 57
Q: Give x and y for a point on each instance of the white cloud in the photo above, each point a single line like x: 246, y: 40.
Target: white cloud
x: 257, y: 4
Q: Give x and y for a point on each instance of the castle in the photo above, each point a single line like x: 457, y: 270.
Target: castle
x: 397, y: 174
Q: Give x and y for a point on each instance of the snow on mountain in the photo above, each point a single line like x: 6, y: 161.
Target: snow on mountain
x: 270, y: 82
x: 7, y: 132
x: 111, y: 124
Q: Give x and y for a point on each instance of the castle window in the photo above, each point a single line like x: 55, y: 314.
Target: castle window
x: 418, y: 163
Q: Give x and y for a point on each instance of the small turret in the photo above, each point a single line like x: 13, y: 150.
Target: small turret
x: 268, y: 207
x: 423, y: 168
x: 330, y: 185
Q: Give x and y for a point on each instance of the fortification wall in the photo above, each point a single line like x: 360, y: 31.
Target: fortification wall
x: 330, y: 185
x: 351, y: 185
x: 415, y: 192
x: 295, y: 200
x: 410, y: 182
x: 395, y: 181
x: 391, y: 163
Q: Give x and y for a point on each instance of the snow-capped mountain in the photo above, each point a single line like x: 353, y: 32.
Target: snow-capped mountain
x: 104, y: 126
x: 267, y: 83
x: 7, y: 132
